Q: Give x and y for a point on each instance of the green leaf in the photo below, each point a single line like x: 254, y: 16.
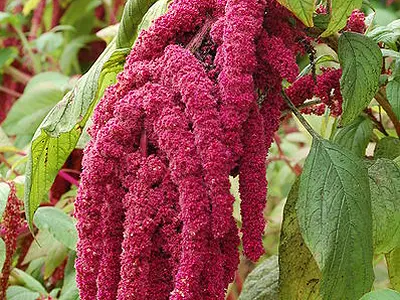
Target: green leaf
x: 58, y: 134
x: 43, y: 242
x: 9, y: 18
x: 388, y: 34
x: 16, y: 292
x: 355, y: 136
x: 388, y: 147
x: 69, y: 290
x: 299, y: 275
x: 49, y: 42
x: 58, y: 223
x: 384, y: 180
x: 155, y: 11
x: 54, y: 293
x: 7, y: 56
x: 79, y: 9
x: 341, y: 10
x: 393, y: 263
x: 334, y: 213
x: 108, y: 33
x: 390, y: 53
x: 302, y: 9
x: 28, y: 281
x: 2, y: 253
x: 55, y: 257
x: 262, y: 282
x: 35, y: 268
x: 132, y: 16
x: 361, y: 61
x: 40, y: 95
x: 382, y: 295
x: 393, y: 95
x: 4, y: 192
x: 70, y: 53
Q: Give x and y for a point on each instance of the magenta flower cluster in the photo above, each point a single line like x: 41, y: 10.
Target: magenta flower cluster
x: 10, y: 228
x: 199, y: 99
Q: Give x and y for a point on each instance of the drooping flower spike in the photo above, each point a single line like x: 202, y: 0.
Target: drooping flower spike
x: 199, y: 99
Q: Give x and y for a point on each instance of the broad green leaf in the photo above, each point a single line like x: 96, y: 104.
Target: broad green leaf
x: 390, y: 53
x: 340, y: 11
x: 58, y: 223
x: 361, y: 61
x: 28, y: 281
x: 70, y: 53
x: 382, y: 295
x: 69, y: 290
x: 35, y: 269
x: 393, y: 95
x: 2, y: 253
x: 16, y: 292
x: 7, y: 56
x: 262, y: 282
x: 55, y: 257
x: 334, y: 213
x: 59, y: 132
x: 4, y: 192
x: 54, y: 293
x: 355, y: 136
x: 384, y: 180
x: 78, y: 9
x: 302, y: 9
x: 9, y: 18
x: 49, y: 42
x: 108, y: 33
x: 40, y: 95
x: 388, y: 34
x: 156, y: 10
x: 388, y: 147
x: 299, y: 275
x: 132, y: 16
x: 43, y: 242
x: 4, y: 140
x: 393, y: 263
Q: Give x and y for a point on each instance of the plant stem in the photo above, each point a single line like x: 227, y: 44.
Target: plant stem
x: 17, y: 74
x: 27, y: 46
x: 304, y: 105
x: 68, y: 178
x: 299, y: 116
x: 8, y: 165
x: 378, y: 124
x: 10, y: 92
x: 196, y: 41
x: 282, y: 157
x: 382, y: 100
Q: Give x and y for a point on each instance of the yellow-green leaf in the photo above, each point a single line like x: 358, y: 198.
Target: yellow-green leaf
x: 302, y: 9
x: 340, y: 11
x: 299, y: 275
x: 334, y: 213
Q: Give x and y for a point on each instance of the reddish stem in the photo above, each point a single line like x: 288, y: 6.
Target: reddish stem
x: 37, y: 19
x: 143, y: 143
x: 55, y: 18
x: 10, y: 92
x: 295, y: 169
x: 69, y: 178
